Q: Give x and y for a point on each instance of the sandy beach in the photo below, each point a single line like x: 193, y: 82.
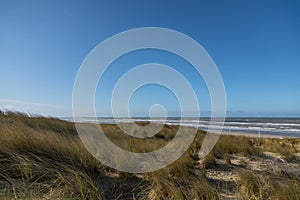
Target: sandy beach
x: 253, y: 135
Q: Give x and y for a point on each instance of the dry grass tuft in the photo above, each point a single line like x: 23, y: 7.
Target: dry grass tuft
x: 258, y: 186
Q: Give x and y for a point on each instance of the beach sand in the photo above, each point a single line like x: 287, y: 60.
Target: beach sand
x: 254, y: 135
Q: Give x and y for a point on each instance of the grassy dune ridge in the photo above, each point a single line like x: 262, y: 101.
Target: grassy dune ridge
x: 44, y: 158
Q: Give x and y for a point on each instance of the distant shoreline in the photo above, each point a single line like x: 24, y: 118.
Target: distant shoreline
x: 252, y: 127
x: 254, y: 135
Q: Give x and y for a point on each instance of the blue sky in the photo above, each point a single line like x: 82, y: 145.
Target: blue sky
x: 255, y: 45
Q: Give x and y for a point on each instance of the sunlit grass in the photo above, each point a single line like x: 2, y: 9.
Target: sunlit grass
x: 44, y: 158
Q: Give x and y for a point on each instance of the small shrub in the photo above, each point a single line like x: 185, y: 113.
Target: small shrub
x: 207, y: 162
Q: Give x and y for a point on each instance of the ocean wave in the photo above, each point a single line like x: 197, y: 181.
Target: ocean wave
x: 247, y: 125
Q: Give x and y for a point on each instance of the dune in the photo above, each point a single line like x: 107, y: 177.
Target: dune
x: 43, y: 158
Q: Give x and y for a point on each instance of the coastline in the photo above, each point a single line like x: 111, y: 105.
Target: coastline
x: 254, y: 135
x: 251, y: 127
x: 37, y: 150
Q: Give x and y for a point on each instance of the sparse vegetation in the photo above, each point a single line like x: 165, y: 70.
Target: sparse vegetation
x: 44, y: 158
x: 258, y: 186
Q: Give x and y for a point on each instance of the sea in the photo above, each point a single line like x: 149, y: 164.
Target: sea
x: 277, y: 127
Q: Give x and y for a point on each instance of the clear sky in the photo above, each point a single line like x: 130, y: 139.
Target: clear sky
x: 255, y: 44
